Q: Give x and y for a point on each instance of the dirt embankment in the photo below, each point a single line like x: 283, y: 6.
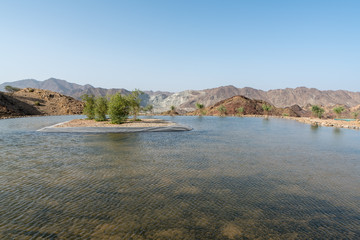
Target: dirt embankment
x: 32, y: 102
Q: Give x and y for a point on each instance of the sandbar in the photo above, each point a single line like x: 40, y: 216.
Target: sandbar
x: 92, y: 126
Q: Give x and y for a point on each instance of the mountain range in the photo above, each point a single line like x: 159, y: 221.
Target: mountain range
x: 185, y: 101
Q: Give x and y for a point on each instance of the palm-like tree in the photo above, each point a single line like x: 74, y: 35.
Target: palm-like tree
x: 267, y: 108
x: 200, y: 107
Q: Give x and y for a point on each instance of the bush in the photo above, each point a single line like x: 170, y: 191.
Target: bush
x: 31, y: 90
x: 148, y: 108
x: 240, y: 110
x: 37, y: 103
x: 101, y: 107
x: 119, y: 108
x: 317, y: 111
x: 222, y: 110
x: 200, y: 107
x: 338, y: 111
x: 267, y: 108
x: 89, y: 109
x: 355, y: 114
x: 12, y: 89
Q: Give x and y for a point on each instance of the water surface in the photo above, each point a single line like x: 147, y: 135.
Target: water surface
x: 229, y: 178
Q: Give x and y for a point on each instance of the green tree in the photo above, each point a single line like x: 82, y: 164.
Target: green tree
x: 200, y: 107
x: 148, y: 108
x: 240, y: 110
x: 134, y: 103
x: 222, y: 110
x: 338, y: 111
x: 119, y: 108
x: 89, y: 108
x: 267, y: 108
x: 355, y: 114
x: 317, y: 111
x: 11, y: 89
x: 172, y: 110
x: 101, y: 107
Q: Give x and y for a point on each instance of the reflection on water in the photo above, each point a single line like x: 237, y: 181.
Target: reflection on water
x: 229, y: 178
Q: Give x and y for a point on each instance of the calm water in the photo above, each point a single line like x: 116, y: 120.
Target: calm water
x: 229, y: 178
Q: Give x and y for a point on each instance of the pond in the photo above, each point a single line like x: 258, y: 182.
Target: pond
x: 229, y: 178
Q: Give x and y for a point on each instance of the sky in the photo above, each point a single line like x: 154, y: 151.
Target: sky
x: 175, y: 45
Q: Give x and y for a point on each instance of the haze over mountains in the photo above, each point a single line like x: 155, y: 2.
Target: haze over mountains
x: 186, y: 100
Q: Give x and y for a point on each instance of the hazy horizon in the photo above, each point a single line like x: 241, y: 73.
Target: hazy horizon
x: 177, y: 46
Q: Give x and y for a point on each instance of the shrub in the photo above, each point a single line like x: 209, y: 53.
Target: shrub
x: 240, y: 110
x: 355, y: 114
x: 37, y: 103
x: 12, y: 89
x: 148, y: 108
x: 267, y: 108
x: 200, y: 106
x: 119, y: 108
x: 101, y: 107
x: 222, y: 110
x: 89, y: 109
x: 31, y: 90
x: 338, y: 110
x: 317, y: 111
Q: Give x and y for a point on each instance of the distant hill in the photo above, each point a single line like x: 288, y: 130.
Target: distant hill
x: 63, y: 87
x: 249, y: 106
x: 301, y: 96
x: 30, y: 101
x: 185, y: 101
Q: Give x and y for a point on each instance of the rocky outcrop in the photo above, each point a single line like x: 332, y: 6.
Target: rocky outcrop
x: 231, y: 107
x: 29, y: 101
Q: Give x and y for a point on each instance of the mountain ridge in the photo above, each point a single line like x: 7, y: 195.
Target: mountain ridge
x: 186, y: 100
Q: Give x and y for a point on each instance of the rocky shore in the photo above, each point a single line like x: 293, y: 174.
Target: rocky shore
x: 330, y: 123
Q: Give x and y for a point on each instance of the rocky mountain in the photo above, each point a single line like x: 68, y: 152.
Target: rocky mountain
x: 185, y: 101
x: 249, y: 106
x: 63, y: 87
x: 30, y: 101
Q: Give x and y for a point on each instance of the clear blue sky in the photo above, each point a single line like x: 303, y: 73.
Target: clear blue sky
x: 178, y: 45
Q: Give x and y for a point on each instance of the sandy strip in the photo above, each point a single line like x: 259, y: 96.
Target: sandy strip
x: 128, y: 124
x: 91, y: 126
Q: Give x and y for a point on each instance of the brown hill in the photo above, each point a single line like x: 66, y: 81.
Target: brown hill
x: 250, y: 107
x: 281, y: 98
x: 185, y: 100
x: 29, y: 101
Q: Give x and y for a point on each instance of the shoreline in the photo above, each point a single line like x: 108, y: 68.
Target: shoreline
x: 306, y: 120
